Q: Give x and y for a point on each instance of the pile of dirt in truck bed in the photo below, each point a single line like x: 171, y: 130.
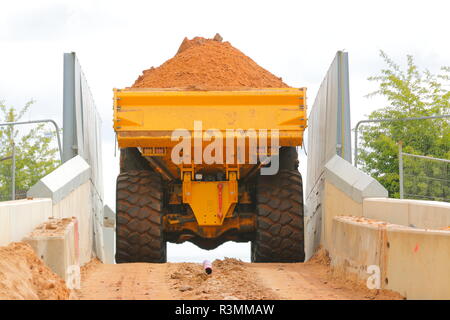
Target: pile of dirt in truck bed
x: 208, y: 64
x: 24, y: 276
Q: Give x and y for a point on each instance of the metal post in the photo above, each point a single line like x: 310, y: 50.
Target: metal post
x: 400, y: 167
x: 356, y: 144
x: 13, y: 172
x: 69, y: 132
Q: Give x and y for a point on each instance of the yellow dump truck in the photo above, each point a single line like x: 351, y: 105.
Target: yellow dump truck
x: 192, y: 169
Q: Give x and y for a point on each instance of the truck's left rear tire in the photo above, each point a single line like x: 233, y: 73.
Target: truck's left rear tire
x: 139, y: 204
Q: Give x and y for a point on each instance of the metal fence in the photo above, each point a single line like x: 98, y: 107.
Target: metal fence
x: 406, y: 174
x: 423, y: 177
x: 375, y: 121
x: 21, y: 194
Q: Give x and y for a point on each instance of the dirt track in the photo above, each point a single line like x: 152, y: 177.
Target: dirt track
x: 231, y: 279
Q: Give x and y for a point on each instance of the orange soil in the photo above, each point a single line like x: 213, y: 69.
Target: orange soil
x: 24, y: 276
x: 231, y: 279
x: 208, y: 64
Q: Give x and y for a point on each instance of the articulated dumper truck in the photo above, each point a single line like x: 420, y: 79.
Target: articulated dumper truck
x: 209, y: 167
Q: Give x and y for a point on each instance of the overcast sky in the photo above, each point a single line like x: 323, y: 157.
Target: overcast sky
x: 296, y: 40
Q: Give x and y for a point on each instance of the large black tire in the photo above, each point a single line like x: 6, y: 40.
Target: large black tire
x: 139, y: 229
x: 279, y: 206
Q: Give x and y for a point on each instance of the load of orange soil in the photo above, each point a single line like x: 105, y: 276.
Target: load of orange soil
x: 208, y: 64
x: 24, y: 276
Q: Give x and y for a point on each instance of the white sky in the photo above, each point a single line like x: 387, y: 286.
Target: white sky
x: 296, y: 40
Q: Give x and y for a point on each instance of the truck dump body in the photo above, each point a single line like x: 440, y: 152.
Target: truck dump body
x: 147, y: 117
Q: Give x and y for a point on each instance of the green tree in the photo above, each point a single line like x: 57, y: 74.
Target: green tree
x: 409, y: 92
x: 35, y: 156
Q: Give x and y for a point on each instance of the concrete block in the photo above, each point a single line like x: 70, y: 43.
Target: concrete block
x: 413, y: 262
x: 56, y: 243
x: 20, y: 217
x: 62, y: 181
x: 352, y: 181
x: 429, y: 214
x: 357, y: 244
x: 336, y: 203
x: 418, y: 263
x: 109, y: 217
x: 109, y: 234
x: 5, y: 227
x: 78, y: 204
x: 411, y: 213
x: 342, y: 174
x: 109, y: 240
x: 368, y: 187
x: 345, y: 189
x: 385, y: 209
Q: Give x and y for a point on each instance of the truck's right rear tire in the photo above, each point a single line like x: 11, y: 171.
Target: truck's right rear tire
x: 139, y: 204
x: 279, y: 233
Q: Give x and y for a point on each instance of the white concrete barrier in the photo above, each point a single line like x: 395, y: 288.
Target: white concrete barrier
x: 109, y: 234
x: 357, y: 244
x: 56, y: 243
x: 404, y: 239
x: 64, y: 193
x: 346, y: 187
x: 413, y: 262
x: 20, y: 217
x: 77, y: 204
x: 411, y: 213
x: 418, y: 263
x: 70, y: 191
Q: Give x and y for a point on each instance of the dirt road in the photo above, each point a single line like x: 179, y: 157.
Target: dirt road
x: 231, y: 280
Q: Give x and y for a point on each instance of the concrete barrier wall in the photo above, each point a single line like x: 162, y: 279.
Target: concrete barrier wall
x: 77, y: 204
x: 411, y: 213
x: 70, y: 190
x: 336, y: 203
x: 345, y: 188
x: 394, y: 235
x: 357, y: 244
x: 56, y: 243
x: 20, y: 217
x: 413, y: 262
x: 64, y: 193
x: 109, y: 234
x: 418, y: 263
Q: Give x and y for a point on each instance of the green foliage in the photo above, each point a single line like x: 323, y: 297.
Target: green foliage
x: 35, y: 156
x: 409, y: 92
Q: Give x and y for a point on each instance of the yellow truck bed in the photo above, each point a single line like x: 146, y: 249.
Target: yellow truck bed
x: 147, y: 117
